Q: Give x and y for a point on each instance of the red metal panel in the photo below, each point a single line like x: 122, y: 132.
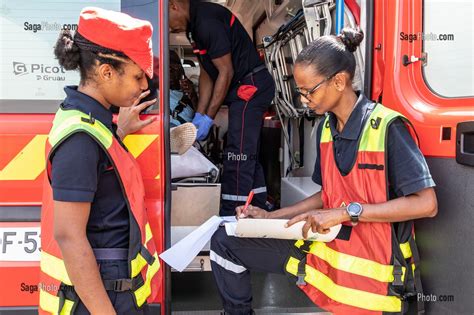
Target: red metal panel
x: 19, y: 279
x: 158, y: 218
x: 404, y: 88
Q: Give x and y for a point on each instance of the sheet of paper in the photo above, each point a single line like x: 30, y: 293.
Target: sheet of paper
x: 229, y: 219
x: 180, y: 255
x: 275, y: 228
x: 230, y: 228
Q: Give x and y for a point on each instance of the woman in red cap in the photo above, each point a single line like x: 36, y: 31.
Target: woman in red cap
x: 98, y: 253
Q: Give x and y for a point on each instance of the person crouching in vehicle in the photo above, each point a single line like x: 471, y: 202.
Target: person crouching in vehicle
x: 375, y: 182
x: 183, y: 97
x: 98, y: 254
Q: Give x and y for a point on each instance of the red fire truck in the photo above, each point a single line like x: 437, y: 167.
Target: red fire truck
x: 416, y: 58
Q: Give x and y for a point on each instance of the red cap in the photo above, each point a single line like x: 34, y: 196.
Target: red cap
x: 121, y: 32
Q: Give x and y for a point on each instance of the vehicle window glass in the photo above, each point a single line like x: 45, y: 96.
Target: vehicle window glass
x: 31, y: 79
x: 448, y: 42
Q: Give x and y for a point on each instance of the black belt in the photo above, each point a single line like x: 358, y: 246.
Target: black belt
x: 117, y: 285
x: 254, y: 71
x: 121, y: 285
x: 110, y: 253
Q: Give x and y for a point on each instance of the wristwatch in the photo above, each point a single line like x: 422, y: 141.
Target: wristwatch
x: 354, y: 210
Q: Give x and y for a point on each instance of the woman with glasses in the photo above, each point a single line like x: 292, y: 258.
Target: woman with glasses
x: 374, y: 181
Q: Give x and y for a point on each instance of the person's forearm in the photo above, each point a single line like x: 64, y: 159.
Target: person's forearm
x: 194, y: 100
x: 311, y: 203
x: 420, y: 205
x: 219, y: 92
x: 205, y: 91
x: 84, y: 274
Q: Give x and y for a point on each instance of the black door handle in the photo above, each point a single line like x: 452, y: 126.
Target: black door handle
x: 465, y: 143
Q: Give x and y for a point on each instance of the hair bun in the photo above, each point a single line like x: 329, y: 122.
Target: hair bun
x: 66, y: 51
x: 351, y: 38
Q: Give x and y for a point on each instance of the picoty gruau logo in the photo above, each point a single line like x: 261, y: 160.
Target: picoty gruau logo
x: 41, y: 71
x: 19, y: 68
x: 343, y: 204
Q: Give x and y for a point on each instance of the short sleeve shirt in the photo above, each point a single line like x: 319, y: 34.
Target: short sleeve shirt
x: 82, y: 172
x: 213, y: 32
x: 408, y: 172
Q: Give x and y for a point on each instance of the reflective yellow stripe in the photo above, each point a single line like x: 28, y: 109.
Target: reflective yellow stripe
x: 299, y: 243
x: 136, y: 144
x: 353, y: 264
x: 344, y: 295
x: 137, y: 265
x: 54, y: 267
x: 139, y: 262
x: 143, y: 292
x: 406, y: 250
x: 326, y: 132
x: 68, y: 121
x: 28, y: 163
x: 148, y: 233
x: 50, y: 303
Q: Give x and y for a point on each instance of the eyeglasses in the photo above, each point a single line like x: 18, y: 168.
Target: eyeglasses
x: 314, y: 89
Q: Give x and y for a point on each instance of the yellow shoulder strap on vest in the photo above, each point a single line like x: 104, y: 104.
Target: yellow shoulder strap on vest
x: 326, y: 132
x: 374, y: 133
x: 67, y: 122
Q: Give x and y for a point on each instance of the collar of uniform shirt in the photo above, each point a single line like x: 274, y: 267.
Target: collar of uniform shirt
x: 86, y: 104
x: 356, y: 120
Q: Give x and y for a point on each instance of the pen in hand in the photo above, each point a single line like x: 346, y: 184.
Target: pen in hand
x: 247, y: 203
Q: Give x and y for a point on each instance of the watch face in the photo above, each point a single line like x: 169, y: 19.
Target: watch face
x: 354, y: 209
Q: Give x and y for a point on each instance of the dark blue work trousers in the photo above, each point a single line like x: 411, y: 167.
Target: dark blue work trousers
x: 242, y: 170
x: 232, y: 260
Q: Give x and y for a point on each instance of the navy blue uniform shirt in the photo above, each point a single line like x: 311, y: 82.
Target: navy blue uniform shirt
x: 82, y: 172
x: 408, y: 172
x: 212, y: 36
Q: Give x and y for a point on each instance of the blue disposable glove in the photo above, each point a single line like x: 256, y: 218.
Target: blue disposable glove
x: 197, y: 119
x: 203, y: 124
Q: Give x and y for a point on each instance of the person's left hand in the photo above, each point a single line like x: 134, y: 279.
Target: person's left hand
x: 319, y: 221
x: 129, y: 117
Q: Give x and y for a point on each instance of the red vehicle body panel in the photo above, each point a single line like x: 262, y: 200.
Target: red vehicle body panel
x: 404, y: 88
x: 23, y: 134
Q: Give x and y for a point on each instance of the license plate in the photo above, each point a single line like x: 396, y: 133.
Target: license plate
x: 20, y: 243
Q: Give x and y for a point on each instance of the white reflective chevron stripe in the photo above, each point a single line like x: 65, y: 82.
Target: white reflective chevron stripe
x: 226, y: 264
x: 234, y: 197
x: 258, y: 190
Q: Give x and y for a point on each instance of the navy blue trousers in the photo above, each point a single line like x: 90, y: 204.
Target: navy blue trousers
x: 242, y: 170
x: 233, y: 258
